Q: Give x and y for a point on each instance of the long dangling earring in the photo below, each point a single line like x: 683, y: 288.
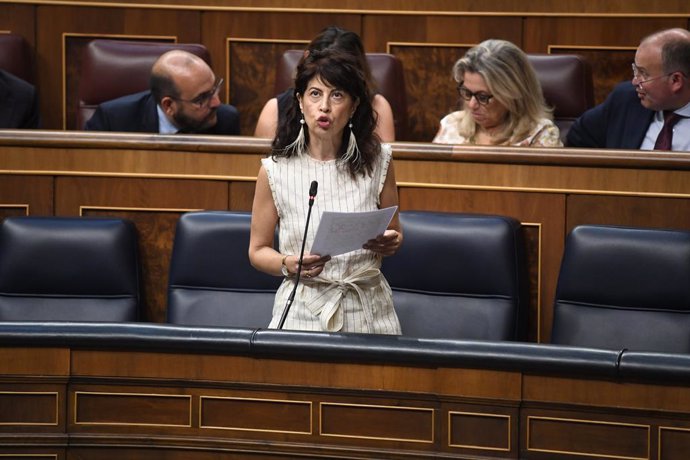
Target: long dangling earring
x: 298, y: 146
x: 352, y: 153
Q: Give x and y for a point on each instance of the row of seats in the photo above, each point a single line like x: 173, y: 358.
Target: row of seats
x: 458, y: 276
x: 114, y: 68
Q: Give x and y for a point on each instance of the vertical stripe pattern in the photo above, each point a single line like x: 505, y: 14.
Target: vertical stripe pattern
x: 290, y: 180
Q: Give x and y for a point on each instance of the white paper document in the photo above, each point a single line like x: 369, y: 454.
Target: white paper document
x: 341, y: 232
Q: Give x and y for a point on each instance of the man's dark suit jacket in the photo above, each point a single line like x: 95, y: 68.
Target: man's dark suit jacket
x: 18, y: 103
x: 136, y: 113
x: 620, y: 122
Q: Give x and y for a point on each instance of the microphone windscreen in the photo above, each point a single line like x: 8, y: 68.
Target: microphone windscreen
x: 314, y: 187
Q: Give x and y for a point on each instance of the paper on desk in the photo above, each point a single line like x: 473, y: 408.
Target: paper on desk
x: 341, y: 232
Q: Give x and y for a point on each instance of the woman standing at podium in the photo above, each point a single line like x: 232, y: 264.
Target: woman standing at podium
x: 328, y: 137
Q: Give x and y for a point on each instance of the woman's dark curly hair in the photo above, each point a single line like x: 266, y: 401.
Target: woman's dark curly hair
x: 339, y: 70
x: 333, y: 37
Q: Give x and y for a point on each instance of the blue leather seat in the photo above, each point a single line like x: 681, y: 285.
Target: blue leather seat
x: 211, y: 280
x: 68, y: 269
x: 460, y: 276
x: 622, y: 287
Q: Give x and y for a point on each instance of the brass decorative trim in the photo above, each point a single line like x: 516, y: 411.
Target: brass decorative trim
x: 15, y: 206
x: 29, y: 455
x: 156, y: 395
x: 129, y: 175
x: 667, y: 428
x: 586, y: 422
x: 406, y: 408
x: 283, y: 401
x: 592, y: 47
x: 500, y: 188
x: 51, y: 393
x: 496, y: 188
x: 389, y: 45
x: 230, y: 40
x: 66, y: 35
x: 479, y: 414
x: 137, y: 209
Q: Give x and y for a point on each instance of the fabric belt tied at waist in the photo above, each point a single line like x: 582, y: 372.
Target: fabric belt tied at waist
x: 326, y: 305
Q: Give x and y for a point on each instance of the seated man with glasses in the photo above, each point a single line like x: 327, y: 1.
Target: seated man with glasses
x: 184, y: 98
x: 502, y: 101
x: 651, y: 112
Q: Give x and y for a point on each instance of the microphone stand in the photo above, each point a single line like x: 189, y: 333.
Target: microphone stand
x: 291, y: 297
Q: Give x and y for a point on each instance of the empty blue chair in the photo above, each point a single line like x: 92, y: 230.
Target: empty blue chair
x: 211, y: 280
x: 460, y: 276
x: 623, y: 287
x: 68, y: 269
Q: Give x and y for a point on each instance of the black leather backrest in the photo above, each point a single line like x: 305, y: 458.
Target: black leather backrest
x: 68, y: 269
x: 460, y: 276
x: 623, y: 287
x: 211, y: 280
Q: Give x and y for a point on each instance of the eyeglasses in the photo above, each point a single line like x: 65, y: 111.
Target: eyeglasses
x: 642, y: 77
x: 204, y: 99
x: 481, y: 98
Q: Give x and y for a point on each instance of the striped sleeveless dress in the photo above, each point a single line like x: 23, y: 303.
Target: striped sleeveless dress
x: 350, y: 294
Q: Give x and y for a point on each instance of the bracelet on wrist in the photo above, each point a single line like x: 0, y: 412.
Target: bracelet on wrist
x: 283, y: 267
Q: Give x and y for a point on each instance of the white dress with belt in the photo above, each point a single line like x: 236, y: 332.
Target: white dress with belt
x: 350, y: 294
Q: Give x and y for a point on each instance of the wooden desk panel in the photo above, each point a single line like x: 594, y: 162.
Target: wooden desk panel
x: 131, y: 404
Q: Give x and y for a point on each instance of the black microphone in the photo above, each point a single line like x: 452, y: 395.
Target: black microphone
x: 312, y: 194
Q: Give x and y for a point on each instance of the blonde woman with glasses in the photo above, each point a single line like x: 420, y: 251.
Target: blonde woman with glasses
x: 502, y: 101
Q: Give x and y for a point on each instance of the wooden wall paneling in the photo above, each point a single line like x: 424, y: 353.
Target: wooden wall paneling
x: 543, y: 224
x: 380, y: 29
x: 19, y: 19
x: 428, y: 46
x: 634, y: 211
x: 608, y: 42
x: 540, y: 32
x: 110, y: 452
x: 430, y: 94
x: 241, y: 195
x: 57, y: 23
x: 38, y: 406
x: 24, y: 195
x: 33, y: 453
x: 575, y: 409
x: 121, y: 407
x: 481, y: 429
x: 248, y: 44
x: 154, y: 206
x: 553, y: 434
x: 251, y: 70
x: 430, y: 6
x: 48, y: 363
x: 371, y: 407
x: 33, y: 402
